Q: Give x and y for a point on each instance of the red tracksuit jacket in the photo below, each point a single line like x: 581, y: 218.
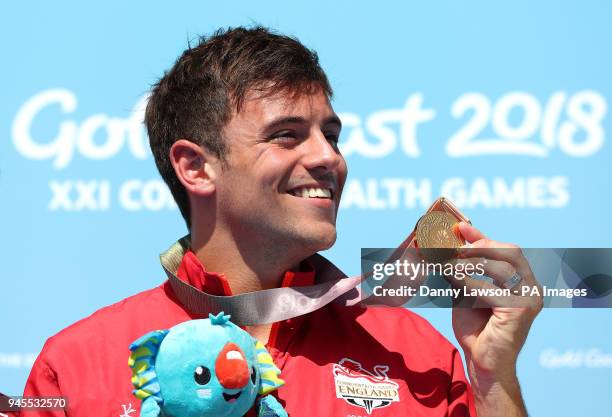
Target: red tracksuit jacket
x: 337, y: 361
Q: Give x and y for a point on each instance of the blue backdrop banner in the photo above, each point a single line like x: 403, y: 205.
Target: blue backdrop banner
x: 501, y: 107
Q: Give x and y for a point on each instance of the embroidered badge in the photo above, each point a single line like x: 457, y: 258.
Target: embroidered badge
x: 362, y: 388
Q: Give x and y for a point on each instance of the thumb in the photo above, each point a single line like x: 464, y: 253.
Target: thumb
x: 469, y: 232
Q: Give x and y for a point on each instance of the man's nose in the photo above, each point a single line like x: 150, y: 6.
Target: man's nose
x: 320, y: 153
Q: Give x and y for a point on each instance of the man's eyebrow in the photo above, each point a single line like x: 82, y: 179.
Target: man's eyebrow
x: 283, y: 121
x: 333, y: 120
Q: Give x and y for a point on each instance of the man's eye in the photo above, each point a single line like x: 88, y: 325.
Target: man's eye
x: 333, y: 139
x: 284, y: 137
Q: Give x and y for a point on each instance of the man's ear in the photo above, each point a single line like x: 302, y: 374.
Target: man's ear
x: 195, y: 168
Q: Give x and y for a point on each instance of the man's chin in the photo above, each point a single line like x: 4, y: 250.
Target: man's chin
x: 321, y: 241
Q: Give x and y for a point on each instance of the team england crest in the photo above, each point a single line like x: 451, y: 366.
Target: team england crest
x: 362, y: 388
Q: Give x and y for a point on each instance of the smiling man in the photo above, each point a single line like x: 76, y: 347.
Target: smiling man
x: 279, y: 186
x: 244, y: 135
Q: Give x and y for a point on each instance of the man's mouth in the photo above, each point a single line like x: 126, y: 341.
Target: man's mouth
x: 230, y: 398
x: 311, y: 192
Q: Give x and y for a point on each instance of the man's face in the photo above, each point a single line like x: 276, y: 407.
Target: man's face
x: 285, y: 174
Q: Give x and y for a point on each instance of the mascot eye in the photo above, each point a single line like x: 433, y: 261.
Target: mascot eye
x: 202, y: 375
x: 253, y: 375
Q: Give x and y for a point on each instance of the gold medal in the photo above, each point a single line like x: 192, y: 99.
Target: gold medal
x: 434, y: 232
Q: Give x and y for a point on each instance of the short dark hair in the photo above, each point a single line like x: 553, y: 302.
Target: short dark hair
x: 195, y: 99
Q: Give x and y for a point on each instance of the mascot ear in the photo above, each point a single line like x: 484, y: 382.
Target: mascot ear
x: 144, y: 378
x: 269, y: 380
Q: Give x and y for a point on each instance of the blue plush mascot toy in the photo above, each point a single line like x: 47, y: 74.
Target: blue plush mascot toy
x: 204, y: 368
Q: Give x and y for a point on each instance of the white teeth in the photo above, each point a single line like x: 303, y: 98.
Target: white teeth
x: 311, y: 192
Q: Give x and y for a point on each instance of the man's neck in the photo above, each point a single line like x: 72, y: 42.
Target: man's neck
x: 247, y: 266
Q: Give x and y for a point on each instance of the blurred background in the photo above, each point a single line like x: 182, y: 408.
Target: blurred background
x: 502, y: 107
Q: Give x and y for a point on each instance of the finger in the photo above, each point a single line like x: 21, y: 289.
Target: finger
x: 468, y: 278
x: 497, y: 251
x: 469, y: 232
x: 499, y: 271
x: 477, y: 268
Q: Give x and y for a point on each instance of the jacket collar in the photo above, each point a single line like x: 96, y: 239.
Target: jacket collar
x: 181, y: 261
